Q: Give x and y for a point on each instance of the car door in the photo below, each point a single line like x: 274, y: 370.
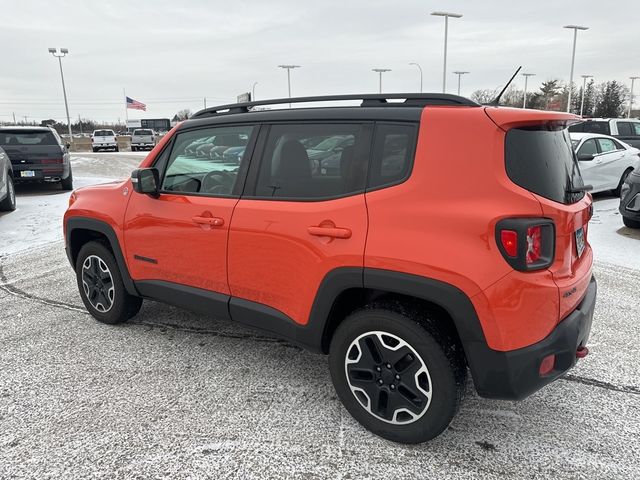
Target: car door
x: 589, y: 167
x: 180, y: 237
x: 610, y: 162
x: 295, y: 224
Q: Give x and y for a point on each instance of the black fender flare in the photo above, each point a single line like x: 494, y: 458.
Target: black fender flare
x: 103, y: 228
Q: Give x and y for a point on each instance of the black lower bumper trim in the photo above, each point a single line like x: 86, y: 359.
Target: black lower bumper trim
x: 514, y: 375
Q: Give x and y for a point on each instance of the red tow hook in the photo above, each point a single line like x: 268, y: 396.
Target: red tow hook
x: 582, y: 352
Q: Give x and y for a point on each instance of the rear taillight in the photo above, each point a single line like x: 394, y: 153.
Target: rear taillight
x: 51, y: 160
x: 526, y: 243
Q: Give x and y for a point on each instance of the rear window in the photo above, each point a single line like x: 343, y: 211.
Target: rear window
x: 541, y: 160
x: 27, y: 137
x: 104, y: 133
x: 143, y: 132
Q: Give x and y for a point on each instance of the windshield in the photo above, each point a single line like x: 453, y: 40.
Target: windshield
x: 27, y: 137
x: 541, y: 160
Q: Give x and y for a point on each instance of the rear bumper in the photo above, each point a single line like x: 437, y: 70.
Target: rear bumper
x: 514, y: 375
x: 41, y: 173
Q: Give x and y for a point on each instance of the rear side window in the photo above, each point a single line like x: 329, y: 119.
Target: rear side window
x: 313, y: 161
x: 392, y: 156
x: 540, y: 159
x: 636, y: 128
x: 624, y: 128
x: 596, y: 127
x: 607, y: 145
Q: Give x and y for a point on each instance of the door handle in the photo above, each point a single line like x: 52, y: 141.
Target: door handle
x: 335, y: 232
x: 211, y: 221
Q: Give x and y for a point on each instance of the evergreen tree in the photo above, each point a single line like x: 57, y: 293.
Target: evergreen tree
x: 610, y: 100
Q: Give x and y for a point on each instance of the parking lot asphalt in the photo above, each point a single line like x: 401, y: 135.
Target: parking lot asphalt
x: 176, y: 395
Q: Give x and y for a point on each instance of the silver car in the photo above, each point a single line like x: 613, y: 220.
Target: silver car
x: 7, y: 192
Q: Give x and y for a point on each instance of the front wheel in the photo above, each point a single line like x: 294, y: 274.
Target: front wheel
x: 101, y: 287
x: 399, y: 380
x: 630, y: 223
x: 617, y: 190
x: 9, y: 202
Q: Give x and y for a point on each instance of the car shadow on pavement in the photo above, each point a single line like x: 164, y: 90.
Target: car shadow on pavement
x: 629, y: 232
x: 36, y: 189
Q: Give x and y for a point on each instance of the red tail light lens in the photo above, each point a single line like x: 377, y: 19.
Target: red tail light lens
x: 51, y: 160
x: 526, y: 243
x: 509, y: 240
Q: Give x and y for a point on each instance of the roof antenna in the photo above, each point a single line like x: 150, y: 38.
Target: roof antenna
x: 496, y: 101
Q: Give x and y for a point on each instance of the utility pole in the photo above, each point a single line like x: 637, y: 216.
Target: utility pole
x: 446, y: 16
x: 526, y: 78
x: 419, y: 68
x: 460, y: 73
x: 59, y: 53
x: 253, y: 91
x: 205, y: 102
x: 584, y: 86
x: 633, y: 79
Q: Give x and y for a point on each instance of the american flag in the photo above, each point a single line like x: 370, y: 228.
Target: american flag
x: 136, y: 105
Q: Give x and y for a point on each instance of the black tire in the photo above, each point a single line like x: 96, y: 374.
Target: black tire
x: 133, y: 149
x: 67, y: 183
x: 9, y: 202
x: 445, y: 368
x: 628, y: 222
x: 94, y: 149
x: 626, y: 173
x: 121, y: 305
x: 116, y: 149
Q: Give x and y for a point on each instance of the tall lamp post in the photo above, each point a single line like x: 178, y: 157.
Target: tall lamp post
x: 253, y: 91
x: 289, y: 68
x: 59, y: 53
x: 419, y: 68
x: 459, y: 73
x: 380, y: 71
x: 526, y: 79
x: 584, y: 86
x: 446, y: 16
x: 633, y: 79
x: 575, y: 29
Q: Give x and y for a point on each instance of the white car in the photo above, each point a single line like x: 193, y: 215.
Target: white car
x: 604, y: 161
x: 103, y: 139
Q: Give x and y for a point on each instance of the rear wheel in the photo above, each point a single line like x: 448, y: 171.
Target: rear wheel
x: 116, y: 149
x: 94, y: 149
x: 616, y: 192
x: 101, y: 287
x: 630, y: 223
x: 399, y: 380
x: 133, y: 149
x: 67, y: 183
x: 9, y: 202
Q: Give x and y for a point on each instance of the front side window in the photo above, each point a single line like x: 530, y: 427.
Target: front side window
x: 312, y: 161
x: 588, y: 148
x: 215, y: 170
x: 596, y: 127
x: 607, y: 145
x: 636, y: 128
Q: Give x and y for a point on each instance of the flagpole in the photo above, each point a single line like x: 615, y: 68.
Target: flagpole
x: 126, y: 113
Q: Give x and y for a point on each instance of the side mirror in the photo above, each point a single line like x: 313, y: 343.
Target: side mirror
x: 585, y: 157
x: 146, y: 180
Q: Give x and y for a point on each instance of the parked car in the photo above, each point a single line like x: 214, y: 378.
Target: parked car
x: 143, y: 139
x: 625, y: 129
x: 630, y: 200
x: 604, y: 161
x: 416, y: 262
x: 104, y: 139
x: 37, y: 154
x: 7, y: 190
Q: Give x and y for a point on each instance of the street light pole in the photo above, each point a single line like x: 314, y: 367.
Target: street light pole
x: 584, y: 85
x: 459, y: 73
x: 575, y: 29
x: 633, y: 79
x: 380, y: 71
x: 253, y: 91
x: 59, y: 53
x: 419, y: 68
x: 526, y: 78
x: 446, y: 16
x: 289, y: 68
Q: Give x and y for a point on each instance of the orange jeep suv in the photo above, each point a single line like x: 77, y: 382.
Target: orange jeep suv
x: 411, y: 237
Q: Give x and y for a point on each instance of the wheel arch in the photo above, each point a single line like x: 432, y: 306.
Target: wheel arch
x: 80, y: 230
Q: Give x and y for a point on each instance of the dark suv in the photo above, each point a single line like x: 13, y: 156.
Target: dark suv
x: 37, y: 155
x: 630, y: 200
x: 408, y: 262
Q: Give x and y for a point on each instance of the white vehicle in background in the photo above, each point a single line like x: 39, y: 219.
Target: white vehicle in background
x: 103, y: 140
x: 605, y: 162
x: 143, y: 139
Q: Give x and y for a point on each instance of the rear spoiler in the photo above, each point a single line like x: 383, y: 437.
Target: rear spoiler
x: 506, y: 118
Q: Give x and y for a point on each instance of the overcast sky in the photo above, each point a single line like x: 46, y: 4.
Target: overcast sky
x: 172, y: 54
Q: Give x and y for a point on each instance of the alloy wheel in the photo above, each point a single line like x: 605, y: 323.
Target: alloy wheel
x: 97, y: 283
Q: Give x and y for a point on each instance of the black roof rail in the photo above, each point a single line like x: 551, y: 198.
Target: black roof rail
x: 368, y: 100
